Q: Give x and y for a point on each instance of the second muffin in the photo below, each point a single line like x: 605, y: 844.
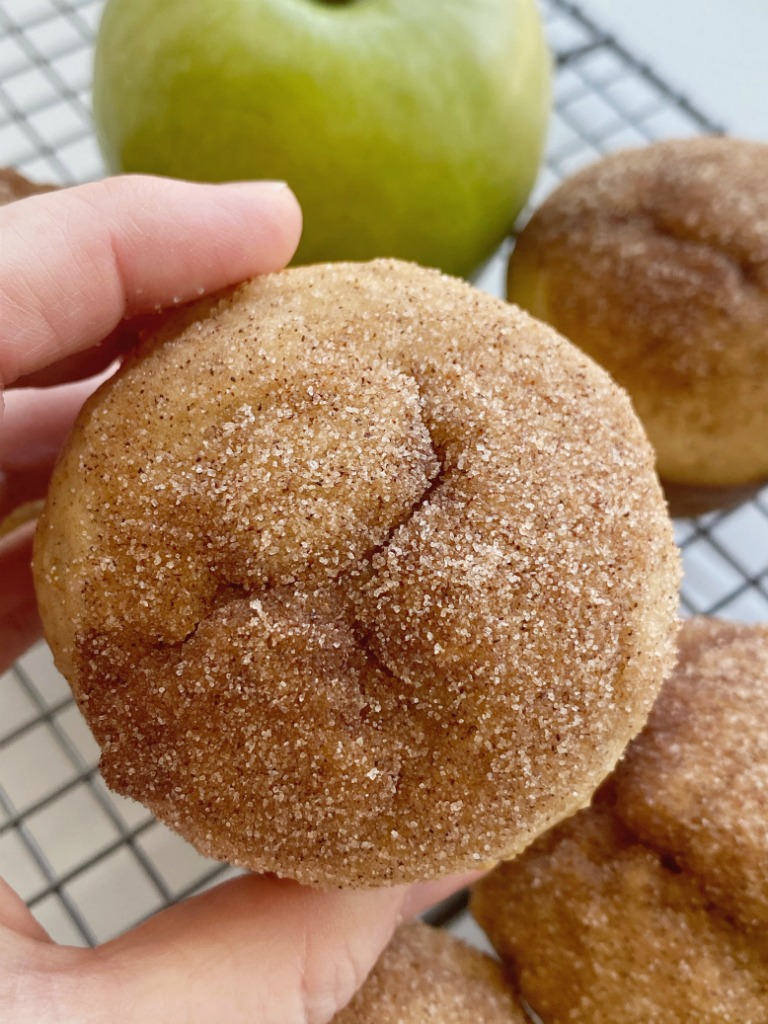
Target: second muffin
x: 655, y: 262
x: 426, y: 974
x: 651, y: 907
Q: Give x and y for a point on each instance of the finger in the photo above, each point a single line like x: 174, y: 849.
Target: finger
x: 82, y: 365
x: 20, y: 623
x: 423, y: 895
x: 78, y: 261
x: 34, y: 426
x: 16, y: 918
x: 256, y: 948
x: 93, y: 361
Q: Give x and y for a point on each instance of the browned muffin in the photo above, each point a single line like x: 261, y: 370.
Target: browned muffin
x: 14, y: 186
x: 359, y: 575
x: 651, y: 907
x: 655, y: 262
x: 428, y: 975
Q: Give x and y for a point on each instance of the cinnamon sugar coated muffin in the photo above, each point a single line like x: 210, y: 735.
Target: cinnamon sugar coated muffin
x: 359, y: 575
x: 14, y: 186
x: 428, y: 975
x: 652, y: 905
x: 655, y: 262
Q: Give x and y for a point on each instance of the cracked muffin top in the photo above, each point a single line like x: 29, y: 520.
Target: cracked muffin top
x: 358, y: 574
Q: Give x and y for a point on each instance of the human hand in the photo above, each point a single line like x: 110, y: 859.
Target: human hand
x: 74, y: 265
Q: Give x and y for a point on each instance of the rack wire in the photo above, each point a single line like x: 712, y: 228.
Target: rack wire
x: 89, y: 863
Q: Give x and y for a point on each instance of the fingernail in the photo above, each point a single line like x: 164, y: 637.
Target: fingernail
x: 262, y: 186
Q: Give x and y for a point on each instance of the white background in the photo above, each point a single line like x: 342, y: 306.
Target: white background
x: 715, y: 51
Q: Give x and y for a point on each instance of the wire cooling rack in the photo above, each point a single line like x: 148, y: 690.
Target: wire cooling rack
x: 89, y: 863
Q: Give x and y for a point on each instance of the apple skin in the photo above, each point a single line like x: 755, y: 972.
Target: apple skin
x: 407, y: 128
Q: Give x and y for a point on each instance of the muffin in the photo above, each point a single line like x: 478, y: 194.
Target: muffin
x: 359, y: 575
x: 428, y: 975
x: 652, y: 904
x: 14, y: 186
x: 655, y: 262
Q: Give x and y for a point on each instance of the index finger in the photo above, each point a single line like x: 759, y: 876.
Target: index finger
x: 76, y: 262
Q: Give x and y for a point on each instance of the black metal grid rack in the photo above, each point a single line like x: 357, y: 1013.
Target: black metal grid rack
x: 89, y: 863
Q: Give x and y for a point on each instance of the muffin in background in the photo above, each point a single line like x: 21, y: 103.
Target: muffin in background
x: 426, y: 975
x: 651, y: 906
x: 14, y: 186
x: 654, y: 261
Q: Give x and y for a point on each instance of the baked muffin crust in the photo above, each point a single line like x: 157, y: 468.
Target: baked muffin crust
x: 359, y: 575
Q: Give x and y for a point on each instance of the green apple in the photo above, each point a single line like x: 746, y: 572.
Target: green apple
x: 409, y: 128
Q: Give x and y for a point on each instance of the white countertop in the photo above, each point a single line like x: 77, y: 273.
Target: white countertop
x: 713, y: 52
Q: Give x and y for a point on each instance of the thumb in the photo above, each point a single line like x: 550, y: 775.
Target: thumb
x: 253, y: 949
